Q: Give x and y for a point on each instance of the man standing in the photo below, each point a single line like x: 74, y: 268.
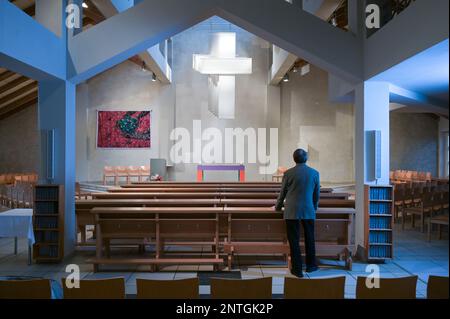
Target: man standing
x: 301, y: 190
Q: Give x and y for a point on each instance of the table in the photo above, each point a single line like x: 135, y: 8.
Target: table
x: 18, y: 223
x: 202, y: 168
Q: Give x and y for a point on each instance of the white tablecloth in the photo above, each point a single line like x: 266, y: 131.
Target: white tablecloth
x: 17, y: 223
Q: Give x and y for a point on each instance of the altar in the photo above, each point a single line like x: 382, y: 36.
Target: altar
x: 221, y: 167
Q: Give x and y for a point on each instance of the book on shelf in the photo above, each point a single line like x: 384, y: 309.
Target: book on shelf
x: 48, y: 222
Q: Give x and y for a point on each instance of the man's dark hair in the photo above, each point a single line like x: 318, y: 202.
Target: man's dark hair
x: 300, y: 156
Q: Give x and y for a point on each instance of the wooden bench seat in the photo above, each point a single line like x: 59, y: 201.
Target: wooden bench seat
x: 153, y: 261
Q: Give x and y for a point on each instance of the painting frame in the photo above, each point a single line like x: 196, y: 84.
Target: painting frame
x: 97, y: 125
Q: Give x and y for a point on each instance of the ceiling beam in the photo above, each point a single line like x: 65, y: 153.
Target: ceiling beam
x: 5, y: 75
x: 27, y: 88
x: 10, y: 85
x: 18, y: 105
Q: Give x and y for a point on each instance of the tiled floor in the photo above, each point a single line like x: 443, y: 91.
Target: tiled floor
x: 413, y: 255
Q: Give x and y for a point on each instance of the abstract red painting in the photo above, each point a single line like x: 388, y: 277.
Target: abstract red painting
x: 123, y: 129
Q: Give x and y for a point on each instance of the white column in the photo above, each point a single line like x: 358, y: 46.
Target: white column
x: 57, y: 111
x: 371, y: 113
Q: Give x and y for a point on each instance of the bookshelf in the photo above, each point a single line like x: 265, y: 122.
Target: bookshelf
x: 48, y: 223
x: 378, y: 210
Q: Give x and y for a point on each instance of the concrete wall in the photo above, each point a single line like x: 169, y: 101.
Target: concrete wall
x: 20, y: 142
x: 443, y: 151
x: 191, y: 89
x: 324, y: 129
x: 414, y: 142
x: 123, y: 88
x: 127, y: 87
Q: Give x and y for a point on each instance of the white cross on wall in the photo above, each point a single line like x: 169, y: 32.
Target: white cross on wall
x: 222, y: 66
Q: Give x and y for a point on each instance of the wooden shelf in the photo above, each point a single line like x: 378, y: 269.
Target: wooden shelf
x: 380, y: 244
x: 48, y: 250
x: 375, y: 250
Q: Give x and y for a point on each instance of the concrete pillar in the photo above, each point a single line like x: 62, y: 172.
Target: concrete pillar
x: 356, y: 17
x: 50, y: 13
x: 371, y: 113
x: 56, y: 109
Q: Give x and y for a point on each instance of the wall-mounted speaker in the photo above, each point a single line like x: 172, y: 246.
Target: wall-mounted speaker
x: 373, y: 155
x: 377, y: 145
x: 50, y: 156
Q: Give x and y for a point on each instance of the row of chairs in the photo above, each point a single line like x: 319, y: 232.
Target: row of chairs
x: 402, y: 175
x: 13, y: 178
x: 141, y: 173
x: 323, y: 288
x: 419, y: 200
x: 18, y: 195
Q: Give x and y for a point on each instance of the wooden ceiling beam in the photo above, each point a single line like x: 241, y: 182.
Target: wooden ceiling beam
x: 10, y: 85
x: 18, y: 105
x: 27, y: 88
x: 5, y: 75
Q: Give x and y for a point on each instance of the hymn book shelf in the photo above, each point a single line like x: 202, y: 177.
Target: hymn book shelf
x: 379, y: 222
x: 48, y: 223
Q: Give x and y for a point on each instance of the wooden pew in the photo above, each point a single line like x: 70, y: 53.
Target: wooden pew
x: 84, y: 216
x: 204, y: 195
x: 266, y: 190
x: 157, y: 225
x: 257, y: 230
x: 325, y: 203
x: 239, y: 230
x: 213, y: 189
x: 173, y: 185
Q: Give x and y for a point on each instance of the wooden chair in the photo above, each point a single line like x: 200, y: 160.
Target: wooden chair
x: 113, y: 288
x: 122, y: 171
x: 408, y: 175
x: 109, y: 171
x: 322, y: 288
x: 144, y: 172
x: 260, y: 288
x: 441, y: 220
x: 79, y: 194
x: 425, y: 207
x: 167, y: 289
x: 25, y: 289
x: 134, y: 172
x: 437, y: 287
x: 278, y: 176
x: 399, y: 197
x: 390, y: 288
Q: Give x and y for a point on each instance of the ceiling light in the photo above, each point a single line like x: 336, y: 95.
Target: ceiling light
x: 84, y: 5
x: 334, y: 22
x: 286, y: 78
x: 144, y: 67
x: 295, y: 69
x: 153, y: 77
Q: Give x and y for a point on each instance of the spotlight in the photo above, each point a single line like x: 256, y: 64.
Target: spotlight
x: 334, y: 22
x: 153, y: 77
x: 286, y: 78
x: 144, y: 67
x: 84, y: 5
x: 295, y: 69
